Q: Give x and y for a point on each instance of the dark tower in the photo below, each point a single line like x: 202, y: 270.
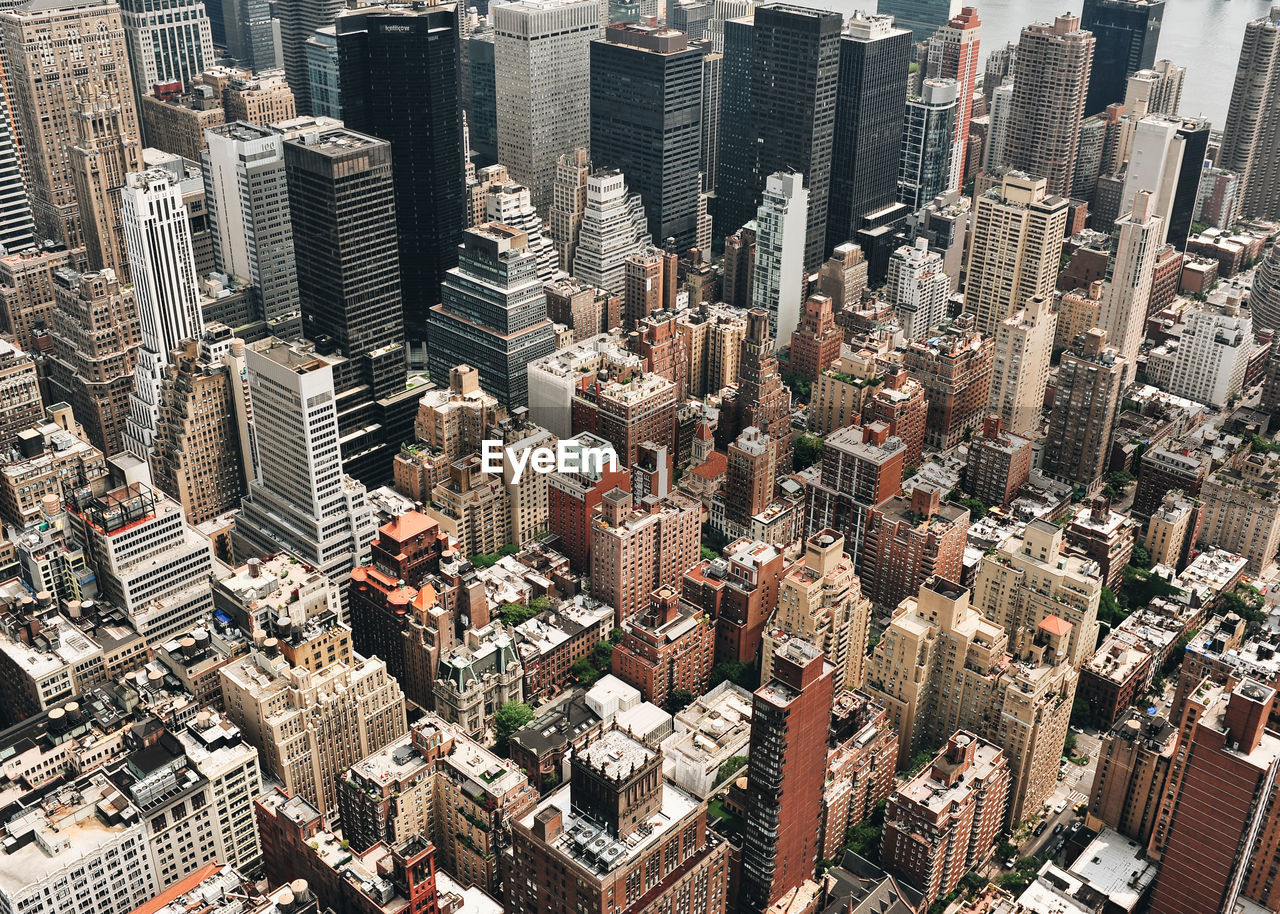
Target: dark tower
x: 875, y: 57
x: 1126, y: 33
x: 736, y: 185
x: 646, y: 121
x: 1195, y: 134
x: 399, y: 78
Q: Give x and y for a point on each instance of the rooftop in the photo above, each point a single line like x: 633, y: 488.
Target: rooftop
x: 616, y: 754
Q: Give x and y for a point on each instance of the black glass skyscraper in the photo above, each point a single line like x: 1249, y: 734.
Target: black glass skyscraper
x: 875, y: 58
x: 1125, y: 33
x: 1195, y: 137
x: 399, y: 77
x: 736, y: 186
x: 793, y: 98
x: 646, y: 121
x: 922, y: 17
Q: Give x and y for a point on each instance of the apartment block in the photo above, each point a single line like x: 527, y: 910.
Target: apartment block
x: 668, y: 647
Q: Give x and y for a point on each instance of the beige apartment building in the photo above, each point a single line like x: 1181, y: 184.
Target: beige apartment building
x: 1020, y: 368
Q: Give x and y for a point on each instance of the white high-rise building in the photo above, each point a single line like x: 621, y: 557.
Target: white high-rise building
x: 778, y: 280
x: 248, y: 204
x: 918, y: 288
x: 1212, y: 353
x: 993, y: 154
x: 1155, y: 164
x: 157, y: 234
x: 1125, y: 294
x: 300, y: 501
x: 1155, y: 91
x: 511, y: 205
x: 17, y: 229
x: 613, y: 228
x: 229, y: 764
x: 542, y: 76
x: 1020, y: 367
x: 169, y: 40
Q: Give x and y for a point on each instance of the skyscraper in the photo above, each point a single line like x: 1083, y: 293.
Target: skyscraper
x: 953, y: 54
x: 917, y: 288
x: 542, y: 59
x: 612, y: 228
x: 712, y: 86
x: 646, y: 120
x: 253, y: 35
x: 1090, y: 378
x: 158, y: 235
x: 493, y: 314
x: 795, y: 64
x: 1125, y: 34
x: 928, y: 138
x: 105, y: 151
x: 169, y: 40
x: 17, y: 230
x: 1251, y: 139
x: 247, y: 199
x: 53, y: 54
x: 299, y: 20
x: 1020, y: 369
x: 1014, y: 248
x: 790, y: 715
x: 922, y: 17
x: 399, y: 82
x: 873, y: 70
x: 736, y: 160
x: 1166, y: 157
x: 1053, y: 66
x: 777, y: 285
x: 1124, y: 294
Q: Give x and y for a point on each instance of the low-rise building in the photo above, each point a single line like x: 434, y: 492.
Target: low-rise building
x: 550, y: 643
x: 477, y: 678
x: 667, y: 648
x: 715, y: 728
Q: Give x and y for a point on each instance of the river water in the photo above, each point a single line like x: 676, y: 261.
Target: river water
x: 1202, y: 35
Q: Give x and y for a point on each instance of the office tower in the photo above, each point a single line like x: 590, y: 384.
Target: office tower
x: 310, y: 726
x: 95, y: 341
x: 493, y: 314
x: 909, y: 539
x: 479, y: 93
x: 844, y: 275
x: 1218, y: 198
x: 1166, y: 158
x: 613, y: 227
x: 782, y: 225
x: 1194, y: 133
x: 1014, y: 249
x: 736, y: 172
x: 693, y: 17
x: 873, y: 72
x: 399, y: 80
x: 17, y: 230
x: 953, y: 54
x: 1251, y: 140
x: 945, y: 820
x: 1125, y: 34
x: 954, y: 368
x: 790, y: 715
x: 642, y: 285
x: 1216, y: 850
x: 1124, y: 295
x: 299, y: 20
x: 820, y: 601
x: 995, y: 153
x: 21, y: 407
x: 324, y: 72
x: 1155, y: 90
x: 928, y: 136
x: 861, y: 467
x: 1032, y: 576
x: 646, y: 121
x: 201, y: 447
x: 158, y: 236
x: 1090, y: 378
x: 922, y: 17
x: 815, y: 345
x: 795, y: 64
x: 712, y: 83
x: 1049, y: 89
x: 637, y: 548
x: 53, y: 56
x: 169, y: 42
x: 636, y: 818
x: 148, y: 560
x: 1213, y: 354
x: 1020, y: 369
x: 568, y: 203
x: 509, y: 204
x: 739, y: 266
x: 942, y: 664
x: 247, y: 200
x: 104, y: 152
x: 542, y: 61
x: 917, y: 288
x: 253, y: 36
x: 999, y: 69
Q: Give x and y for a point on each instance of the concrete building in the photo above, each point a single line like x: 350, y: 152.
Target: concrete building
x: 1050, y: 86
x: 1127, y: 290
x: 946, y: 819
x: 542, y: 74
x: 1241, y: 511
x: 710, y: 731
x: 477, y: 677
x: 740, y: 590
x: 1090, y: 379
x: 900, y: 403
x: 635, y: 549
x: 612, y: 228
x: 1133, y: 766
x: 1251, y: 137
x: 941, y: 663
x: 1017, y: 235
x: 910, y: 539
x: 1104, y: 535
x: 862, y: 751
x: 816, y: 342
x: 17, y: 229
x: 778, y: 277
x: 861, y: 468
x: 918, y: 288
x: 1171, y: 530
x: 1213, y: 352
x: 1020, y: 367
x: 1031, y: 577
x: 1165, y: 469
x: 629, y: 409
x: 101, y: 155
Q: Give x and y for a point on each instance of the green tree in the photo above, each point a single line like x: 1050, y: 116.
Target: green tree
x: 677, y: 701
x: 740, y: 674
x: 512, y: 614
x: 1141, y: 557
x: 1081, y: 712
x: 508, y: 719
x: 709, y: 554
x: 583, y: 671
x: 602, y: 656
x: 1069, y: 744
x: 807, y: 451
x: 977, y: 510
x: 800, y: 387
x: 731, y: 766
x: 540, y: 604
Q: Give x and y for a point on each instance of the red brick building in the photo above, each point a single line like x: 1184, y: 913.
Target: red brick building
x: 955, y: 371
x: 998, y: 464
x: 738, y: 591
x: 815, y: 344
x: 571, y: 497
x: 667, y: 648
x: 637, y: 548
x: 627, y: 412
x: 900, y: 402
x: 908, y: 541
x: 862, y: 754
